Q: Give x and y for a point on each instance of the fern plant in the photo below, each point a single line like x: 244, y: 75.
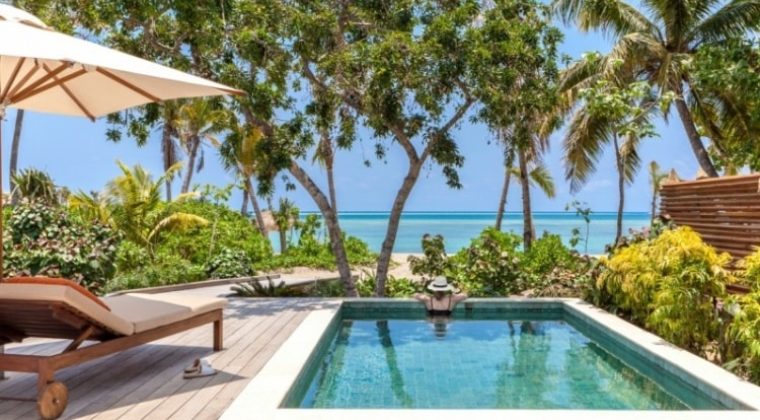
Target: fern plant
x: 258, y: 288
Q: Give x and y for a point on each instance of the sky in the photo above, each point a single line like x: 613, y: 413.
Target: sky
x: 77, y: 155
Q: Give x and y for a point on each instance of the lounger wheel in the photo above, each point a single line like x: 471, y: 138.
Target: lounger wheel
x: 52, y: 401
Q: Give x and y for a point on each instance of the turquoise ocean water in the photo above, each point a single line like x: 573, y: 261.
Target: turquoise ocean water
x: 459, y: 227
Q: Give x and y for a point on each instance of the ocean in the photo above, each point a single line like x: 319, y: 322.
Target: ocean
x: 458, y: 228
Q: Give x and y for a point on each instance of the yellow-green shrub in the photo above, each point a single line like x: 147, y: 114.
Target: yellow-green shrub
x: 751, y: 265
x: 669, y: 284
x: 744, y: 335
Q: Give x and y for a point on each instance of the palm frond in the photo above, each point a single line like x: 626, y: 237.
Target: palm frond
x: 541, y: 177
x: 176, y: 222
x: 734, y: 19
x: 612, y: 16
x: 584, y: 143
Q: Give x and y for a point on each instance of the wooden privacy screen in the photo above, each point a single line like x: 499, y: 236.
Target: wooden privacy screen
x: 724, y: 211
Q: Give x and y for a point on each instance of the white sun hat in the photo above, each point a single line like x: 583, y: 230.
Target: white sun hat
x: 440, y: 284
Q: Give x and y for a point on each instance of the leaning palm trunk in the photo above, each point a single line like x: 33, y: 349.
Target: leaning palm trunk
x: 621, y: 190
x: 14, y: 154
x: 528, y: 229
x: 244, y: 205
x: 195, y: 143
x: 503, y: 197
x: 694, y: 138
x: 256, y: 209
x: 394, y: 219
x: 333, y: 227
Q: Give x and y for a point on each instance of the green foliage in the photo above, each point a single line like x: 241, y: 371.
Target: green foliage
x: 35, y: 185
x: 744, y: 335
x: 229, y: 263
x: 547, y: 253
x: 268, y: 289
x: 226, y: 229
x: 584, y: 212
x: 394, y: 286
x: 46, y: 240
x: 165, y: 269
x: 751, y: 266
x: 434, y: 261
x: 130, y: 256
x: 490, y: 266
x: 668, y: 284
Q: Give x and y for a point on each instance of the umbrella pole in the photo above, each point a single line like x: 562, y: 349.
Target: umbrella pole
x: 2, y: 214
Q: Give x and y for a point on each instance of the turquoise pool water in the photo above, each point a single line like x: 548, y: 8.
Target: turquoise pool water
x: 494, y: 360
x: 458, y: 228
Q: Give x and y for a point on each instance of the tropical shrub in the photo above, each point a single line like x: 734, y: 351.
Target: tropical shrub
x: 229, y: 263
x: 490, y: 265
x: 669, y: 285
x: 751, y: 266
x: 547, y: 253
x: 394, y: 286
x: 743, y: 338
x: 46, y: 240
x: 35, y: 185
x: 226, y: 229
x: 434, y: 261
x: 268, y: 289
x: 165, y: 269
x: 130, y: 256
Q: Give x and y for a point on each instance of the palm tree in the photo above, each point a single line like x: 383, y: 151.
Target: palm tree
x: 604, y: 115
x: 132, y: 204
x: 325, y: 156
x: 657, y: 46
x: 169, y: 135
x: 238, y: 154
x: 198, y: 121
x: 656, y: 177
x: 539, y: 176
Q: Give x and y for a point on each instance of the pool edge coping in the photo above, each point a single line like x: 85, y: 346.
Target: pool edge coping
x: 264, y: 394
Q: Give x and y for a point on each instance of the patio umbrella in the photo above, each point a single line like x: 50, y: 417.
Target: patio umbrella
x: 46, y: 71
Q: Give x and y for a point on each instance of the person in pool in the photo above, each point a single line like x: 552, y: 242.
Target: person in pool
x: 444, y: 297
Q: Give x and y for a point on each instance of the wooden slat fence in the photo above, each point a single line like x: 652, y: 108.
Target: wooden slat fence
x: 724, y: 211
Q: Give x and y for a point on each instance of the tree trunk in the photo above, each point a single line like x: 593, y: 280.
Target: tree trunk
x: 14, y: 154
x: 621, y: 190
x: 700, y: 152
x: 654, y: 206
x: 196, y: 142
x: 528, y: 229
x: 282, y: 231
x: 384, y: 260
x: 503, y: 197
x: 332, y: 224
x: 167, y: 149
x: 256, y: 209
x: 331, y: 185
x: 244, y: 206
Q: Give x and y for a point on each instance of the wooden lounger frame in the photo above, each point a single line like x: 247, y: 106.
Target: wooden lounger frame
x: 50, y: 319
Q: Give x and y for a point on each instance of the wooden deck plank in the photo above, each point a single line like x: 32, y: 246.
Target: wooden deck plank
x: 198, y: 402
x: 157, y: 385
x: 146, y: 382
x: 179, y: 390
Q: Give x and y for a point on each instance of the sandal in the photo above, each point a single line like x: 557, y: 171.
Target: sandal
x: 195, y: 366
x: 202, y: 370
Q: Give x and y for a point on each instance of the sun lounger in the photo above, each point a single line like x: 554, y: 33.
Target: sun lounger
x: 56, y: 308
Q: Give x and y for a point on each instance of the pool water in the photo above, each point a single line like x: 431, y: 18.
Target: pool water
x: 520, y: 363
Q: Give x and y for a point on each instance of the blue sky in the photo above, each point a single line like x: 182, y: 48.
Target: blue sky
x: 76, y: 154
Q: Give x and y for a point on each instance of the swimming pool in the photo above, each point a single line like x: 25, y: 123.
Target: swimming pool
x: 378, y: 356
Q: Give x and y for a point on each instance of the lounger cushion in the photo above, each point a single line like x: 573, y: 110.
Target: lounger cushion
x: 60, y: 282
x: 149, y: 311
x: 69, y: 296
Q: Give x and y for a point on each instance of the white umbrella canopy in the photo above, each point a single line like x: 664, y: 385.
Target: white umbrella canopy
x: 46, y: 71
x: 43, y: 70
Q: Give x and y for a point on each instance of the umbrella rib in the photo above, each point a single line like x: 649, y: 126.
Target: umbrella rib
x: 12, y: 79
x: 24, y: 79
x: 25, y: 93
x: 128, y: 85
x: 71, y: 95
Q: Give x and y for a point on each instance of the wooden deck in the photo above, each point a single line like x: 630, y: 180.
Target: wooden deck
x: 146, y: 382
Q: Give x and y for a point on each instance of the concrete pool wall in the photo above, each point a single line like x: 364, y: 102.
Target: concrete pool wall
x: 266, y: 394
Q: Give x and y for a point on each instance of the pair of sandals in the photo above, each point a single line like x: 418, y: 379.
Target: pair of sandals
x: 199, y: 369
